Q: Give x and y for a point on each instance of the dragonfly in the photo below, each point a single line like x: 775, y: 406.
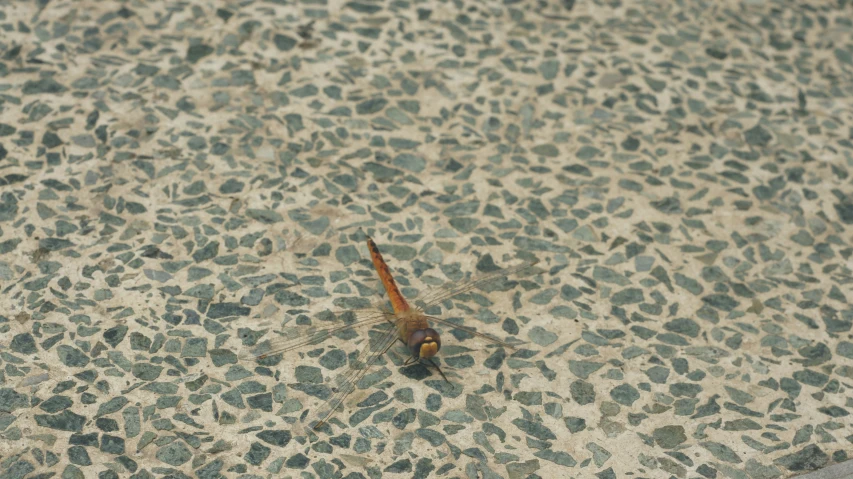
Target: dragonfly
x: 406, y: 322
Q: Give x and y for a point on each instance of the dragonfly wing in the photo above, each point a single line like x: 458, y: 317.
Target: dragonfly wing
x: 452, y: 289
x: 346, y: 383
x: 298, y: 336
x: 450, y: 324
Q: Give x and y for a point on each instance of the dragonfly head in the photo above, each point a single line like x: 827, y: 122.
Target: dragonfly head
x: 424, y: 343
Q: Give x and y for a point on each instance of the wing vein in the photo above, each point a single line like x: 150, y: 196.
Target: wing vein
x: 309, y: 336
x: 444, y: 293
x: 470, y: 330
x: 357, y: 369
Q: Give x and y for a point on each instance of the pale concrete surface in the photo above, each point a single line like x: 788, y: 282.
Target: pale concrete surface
x: 842, y: 470
x: 181, y: 182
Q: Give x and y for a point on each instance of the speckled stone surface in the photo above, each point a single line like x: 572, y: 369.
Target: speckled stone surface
x: 180, y: 180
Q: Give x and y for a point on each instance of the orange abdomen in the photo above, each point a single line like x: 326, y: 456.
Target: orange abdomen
x: 398, y: 302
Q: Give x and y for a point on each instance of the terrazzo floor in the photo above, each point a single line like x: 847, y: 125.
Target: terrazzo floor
x: 182, y: 181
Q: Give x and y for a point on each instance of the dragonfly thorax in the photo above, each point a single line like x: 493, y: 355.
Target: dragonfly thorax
x: 424, y: 343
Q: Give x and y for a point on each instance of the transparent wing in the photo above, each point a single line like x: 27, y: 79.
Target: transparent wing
x: 346, y: 383
x: 452, y: 289
x: 449, y: 324
x: 298, y: 336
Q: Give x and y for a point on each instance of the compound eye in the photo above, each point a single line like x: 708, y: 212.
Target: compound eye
x: 435, y: 338
x: 416, y: 339
x: 424, y: 343
x: 431, y: 332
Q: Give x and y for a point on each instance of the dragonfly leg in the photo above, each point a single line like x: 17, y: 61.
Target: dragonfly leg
x: 433, y: 363
x: 409, y: 360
